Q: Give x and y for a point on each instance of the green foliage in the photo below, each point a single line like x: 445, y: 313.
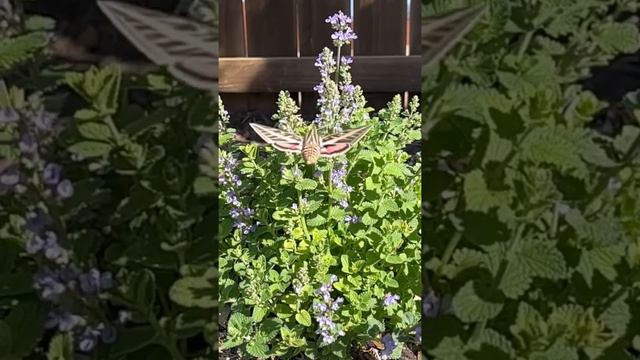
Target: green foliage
x: 138, y: 210
x: 531, y: 217
x: 304, y: 235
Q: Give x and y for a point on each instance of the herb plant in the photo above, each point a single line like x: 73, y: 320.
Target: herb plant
x: 531, y: 217
x: 106, y: 208
x: 315, y: 259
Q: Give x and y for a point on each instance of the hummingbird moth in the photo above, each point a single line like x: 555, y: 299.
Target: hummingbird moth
x: 187, y: 48
x: 441, y: 33
x: 311, y: 146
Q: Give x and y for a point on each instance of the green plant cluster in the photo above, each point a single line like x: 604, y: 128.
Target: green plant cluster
x: 531, y: 217
x: 139, y: 153
x: 269, y: 277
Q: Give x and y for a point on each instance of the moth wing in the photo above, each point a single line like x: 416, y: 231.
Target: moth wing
x: 187, y: 47
x: 441, y: 33
x: 279, y: 139
x: 338, y: 144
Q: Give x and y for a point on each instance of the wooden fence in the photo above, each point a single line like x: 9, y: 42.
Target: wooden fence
x: 271, y: 45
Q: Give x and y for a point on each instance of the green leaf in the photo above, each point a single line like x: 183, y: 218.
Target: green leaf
x: 450, y: 348
x: 239, y: 325
x: 385, y: 206
x: 394, y: 169
x: 132, y: 339
x: 142, y: 289
x: 95, y: 131
x: 6, y: 341
x: 15, y: 284
x: 469, y: 307
x: 259, y: 312
x: 303, y: 318
x: 306, y: 185
x: 26, y: 321
x: 617, y: 316
x: 618, y: 37
x: 90, y: 149
x: 61, y: 347
x: 204, y: 185
x: 194, y: 292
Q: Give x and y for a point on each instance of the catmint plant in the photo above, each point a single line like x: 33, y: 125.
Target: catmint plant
x: 333, y: 246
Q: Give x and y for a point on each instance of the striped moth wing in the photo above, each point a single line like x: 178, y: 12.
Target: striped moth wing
x: 338, y: 144
x: 279, y: 139
x: 441, y: 33
x: 187, y: 48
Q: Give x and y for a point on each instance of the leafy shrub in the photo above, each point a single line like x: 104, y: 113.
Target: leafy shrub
x: 105, y: 218
x: 315, y: 258
x: 530, y: 216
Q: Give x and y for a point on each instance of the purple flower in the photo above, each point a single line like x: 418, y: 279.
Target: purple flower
x: 28, y: 144
x: 34, y: 245
x: 49, y: 285
x: 63, y: 320
x: 65, y: 189
x: 324, y: 310
x: 341, y: 23
x: 43, y: 121
x: 343, y: 37
x: 346, y: 60
x: 37, y: 221
x: 109, y: 334
x: 352, y: 219
x: 51, y: 174
x: 93, y: 282
x: 389, y: 346
x: 390, y: 299
x: 53, y: 250
x: 87, y: 340
x: 419, y: 334
x: 8, y: 115
x: 349, y: 89
x: 10, y: 177
x: 430, y: 305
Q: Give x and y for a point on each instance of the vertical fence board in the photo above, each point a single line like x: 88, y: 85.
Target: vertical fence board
x: 271, y: 28
x: 381, y: 29
x: 315, y: 34
x: 416, y: 19
x: 231, y: 29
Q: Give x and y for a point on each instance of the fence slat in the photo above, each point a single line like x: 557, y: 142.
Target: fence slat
x: 271, y: 27
x: 315, y: 34
x: 231, y: 30
x: 380, y: 25
x: 416, y: 21
x: 373, y: 73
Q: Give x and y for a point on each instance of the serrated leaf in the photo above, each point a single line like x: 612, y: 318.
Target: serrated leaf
x: 60, y: 347
x: 306, y: 185
x: 469, y: 307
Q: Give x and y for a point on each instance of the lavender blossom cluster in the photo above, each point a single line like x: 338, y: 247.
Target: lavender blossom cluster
x: 324, y: 309
x: 230, y: 182
x: 338, y: 98
x: 59, y: 281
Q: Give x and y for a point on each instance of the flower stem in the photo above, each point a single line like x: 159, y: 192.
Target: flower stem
x: 303, y: 221
x: 338, y: 66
